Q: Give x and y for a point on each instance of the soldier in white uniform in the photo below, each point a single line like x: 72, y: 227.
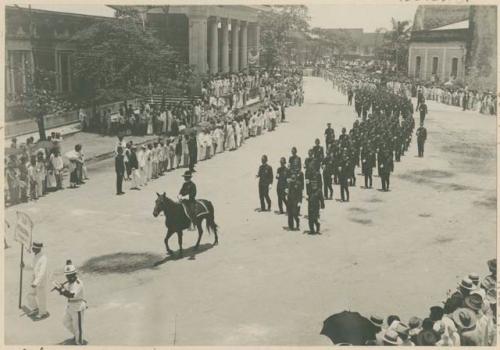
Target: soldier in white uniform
x: 73, y: 291
x: 37, y: 297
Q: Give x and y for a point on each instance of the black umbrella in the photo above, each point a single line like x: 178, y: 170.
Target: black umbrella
x: 348, y: 327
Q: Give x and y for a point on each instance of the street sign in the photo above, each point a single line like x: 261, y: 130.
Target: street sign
x: 23, y: 230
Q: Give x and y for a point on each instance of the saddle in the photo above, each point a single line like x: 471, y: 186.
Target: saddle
x: 194, y: 210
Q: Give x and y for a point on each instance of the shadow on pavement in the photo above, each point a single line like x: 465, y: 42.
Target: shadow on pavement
x: 189, y: 253
x: 119, y: 263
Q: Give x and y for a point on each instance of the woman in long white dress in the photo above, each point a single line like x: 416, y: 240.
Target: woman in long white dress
x: 230, y: 138
x: 237, y: 131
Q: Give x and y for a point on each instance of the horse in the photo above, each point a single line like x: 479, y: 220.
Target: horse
x: 176, y: 220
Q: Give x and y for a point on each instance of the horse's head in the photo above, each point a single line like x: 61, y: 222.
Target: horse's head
x: 159, y: 203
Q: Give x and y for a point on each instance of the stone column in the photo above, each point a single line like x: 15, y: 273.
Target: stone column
x: 243, y: 46
x: 214, y: 45
x: 225, y: 45
x: 235, y: 46
x: 257, y: 42
x: 198, y: 42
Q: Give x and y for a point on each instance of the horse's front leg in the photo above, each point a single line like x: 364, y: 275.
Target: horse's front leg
x: 179, y: 236
x: 169, y: 234
x: 200, y: 233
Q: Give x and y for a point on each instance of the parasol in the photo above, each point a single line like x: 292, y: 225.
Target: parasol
x: 72, y: 155
x: 348, y: 327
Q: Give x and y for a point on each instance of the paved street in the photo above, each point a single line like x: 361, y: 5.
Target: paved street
x: 387, y: 253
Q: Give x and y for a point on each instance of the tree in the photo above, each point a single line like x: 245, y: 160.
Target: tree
x: 40, y: 98
x: 121, y: 58
x: 396, y: 43
x: 277, y: 26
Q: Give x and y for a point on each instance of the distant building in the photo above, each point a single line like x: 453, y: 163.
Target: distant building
x: 362, y: 45
x: 454, y: 43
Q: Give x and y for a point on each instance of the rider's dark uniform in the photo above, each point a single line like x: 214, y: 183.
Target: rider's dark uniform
x: 189, y: 189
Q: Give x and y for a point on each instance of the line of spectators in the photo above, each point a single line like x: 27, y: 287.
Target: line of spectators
x: 34, y: 169
x: 466, y: 318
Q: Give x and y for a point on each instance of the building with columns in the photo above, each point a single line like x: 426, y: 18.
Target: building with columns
x: 211, y: 38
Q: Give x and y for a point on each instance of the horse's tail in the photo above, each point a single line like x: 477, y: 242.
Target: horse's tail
x: 211, y: 225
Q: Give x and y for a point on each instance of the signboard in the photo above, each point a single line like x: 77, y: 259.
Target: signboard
x: 23, y: 230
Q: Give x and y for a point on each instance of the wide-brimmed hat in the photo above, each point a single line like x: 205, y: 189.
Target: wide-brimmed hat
x: 464, y: 318
x: 427, y: 338
x: 414, y: 322
x: 474, y: 277
x: 488, y: 283
x: 187, y: 174
x: 390, y: 337
x: 474, y: 302
x: 466, y: 283
x: 492, y: 265
x: 37, y: 245
x: 491, y: 296
x: 437, y: 313
x: 376, y: 320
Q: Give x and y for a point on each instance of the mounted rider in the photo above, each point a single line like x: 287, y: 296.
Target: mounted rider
x: 187, y: 196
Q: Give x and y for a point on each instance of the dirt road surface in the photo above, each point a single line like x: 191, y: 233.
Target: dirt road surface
x: 386, y: 253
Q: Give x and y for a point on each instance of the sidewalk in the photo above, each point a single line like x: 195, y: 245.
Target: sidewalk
x: 97, y: 147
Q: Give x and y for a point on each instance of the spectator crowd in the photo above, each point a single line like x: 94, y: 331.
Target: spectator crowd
x: 466, y: 318
x: 188, y: 132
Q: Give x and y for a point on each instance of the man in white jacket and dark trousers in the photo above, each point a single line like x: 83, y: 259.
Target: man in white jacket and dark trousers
x: 72, y: 289
x: 37, y: 297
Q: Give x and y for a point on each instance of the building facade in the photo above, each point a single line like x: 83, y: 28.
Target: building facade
x: 213, y: 39
x: 455, y: 43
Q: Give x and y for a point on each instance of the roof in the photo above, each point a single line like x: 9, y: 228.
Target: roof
x: 355, y: 33
x: 74, y: 11
x: 457, y: 25
x: 428, y: 17
x: 445, y: 35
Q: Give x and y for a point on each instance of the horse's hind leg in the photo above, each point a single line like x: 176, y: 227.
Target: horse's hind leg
x: 179, y: 236
x: 200, y: 233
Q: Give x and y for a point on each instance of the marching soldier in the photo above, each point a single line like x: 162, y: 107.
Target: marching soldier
x: 37, y: 297
x: 318, y: 151
x: 72, y: 289
x: 329, y: 136
x: 423, y: 112
x: 313, y: 206
x: 294, y: 191
x: 344, y: 172
x: 421, y: 137
x: 367, y: 165
x: 282, y: 174
x: 328, y: 166
x: 265, y: 176
x: 386, y: 166
x: 294, y: 162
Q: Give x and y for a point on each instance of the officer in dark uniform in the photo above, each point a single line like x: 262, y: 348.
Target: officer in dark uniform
x: 282, y: 174
x: 314, y: 202
x: 367, y: 164
x: 318, y: 151
x: 294, y: 162
x: 423, y: 112
x: 421, y: 137
x: 350, y: 93
x: 187, y: 195
x: 386, y: 166
x: 344, y: 139
x: 294, y: 192
x: 344, y: 172
x: 265, y: 176
x: 329, y: 136
x: 328, y: 166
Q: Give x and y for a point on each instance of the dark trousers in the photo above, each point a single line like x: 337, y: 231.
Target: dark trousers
x: 385, y: 181
x: 264, y: 195
x: 119, y: 182
x: 327, y: 186
x: 397, y: 154
x: 422, y: 117
x: 293, y: 217
x: 420, y: 146
x: 281, y: 199
x: 314, y: 226
x: 368, y: 180
x: 344, y: 189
